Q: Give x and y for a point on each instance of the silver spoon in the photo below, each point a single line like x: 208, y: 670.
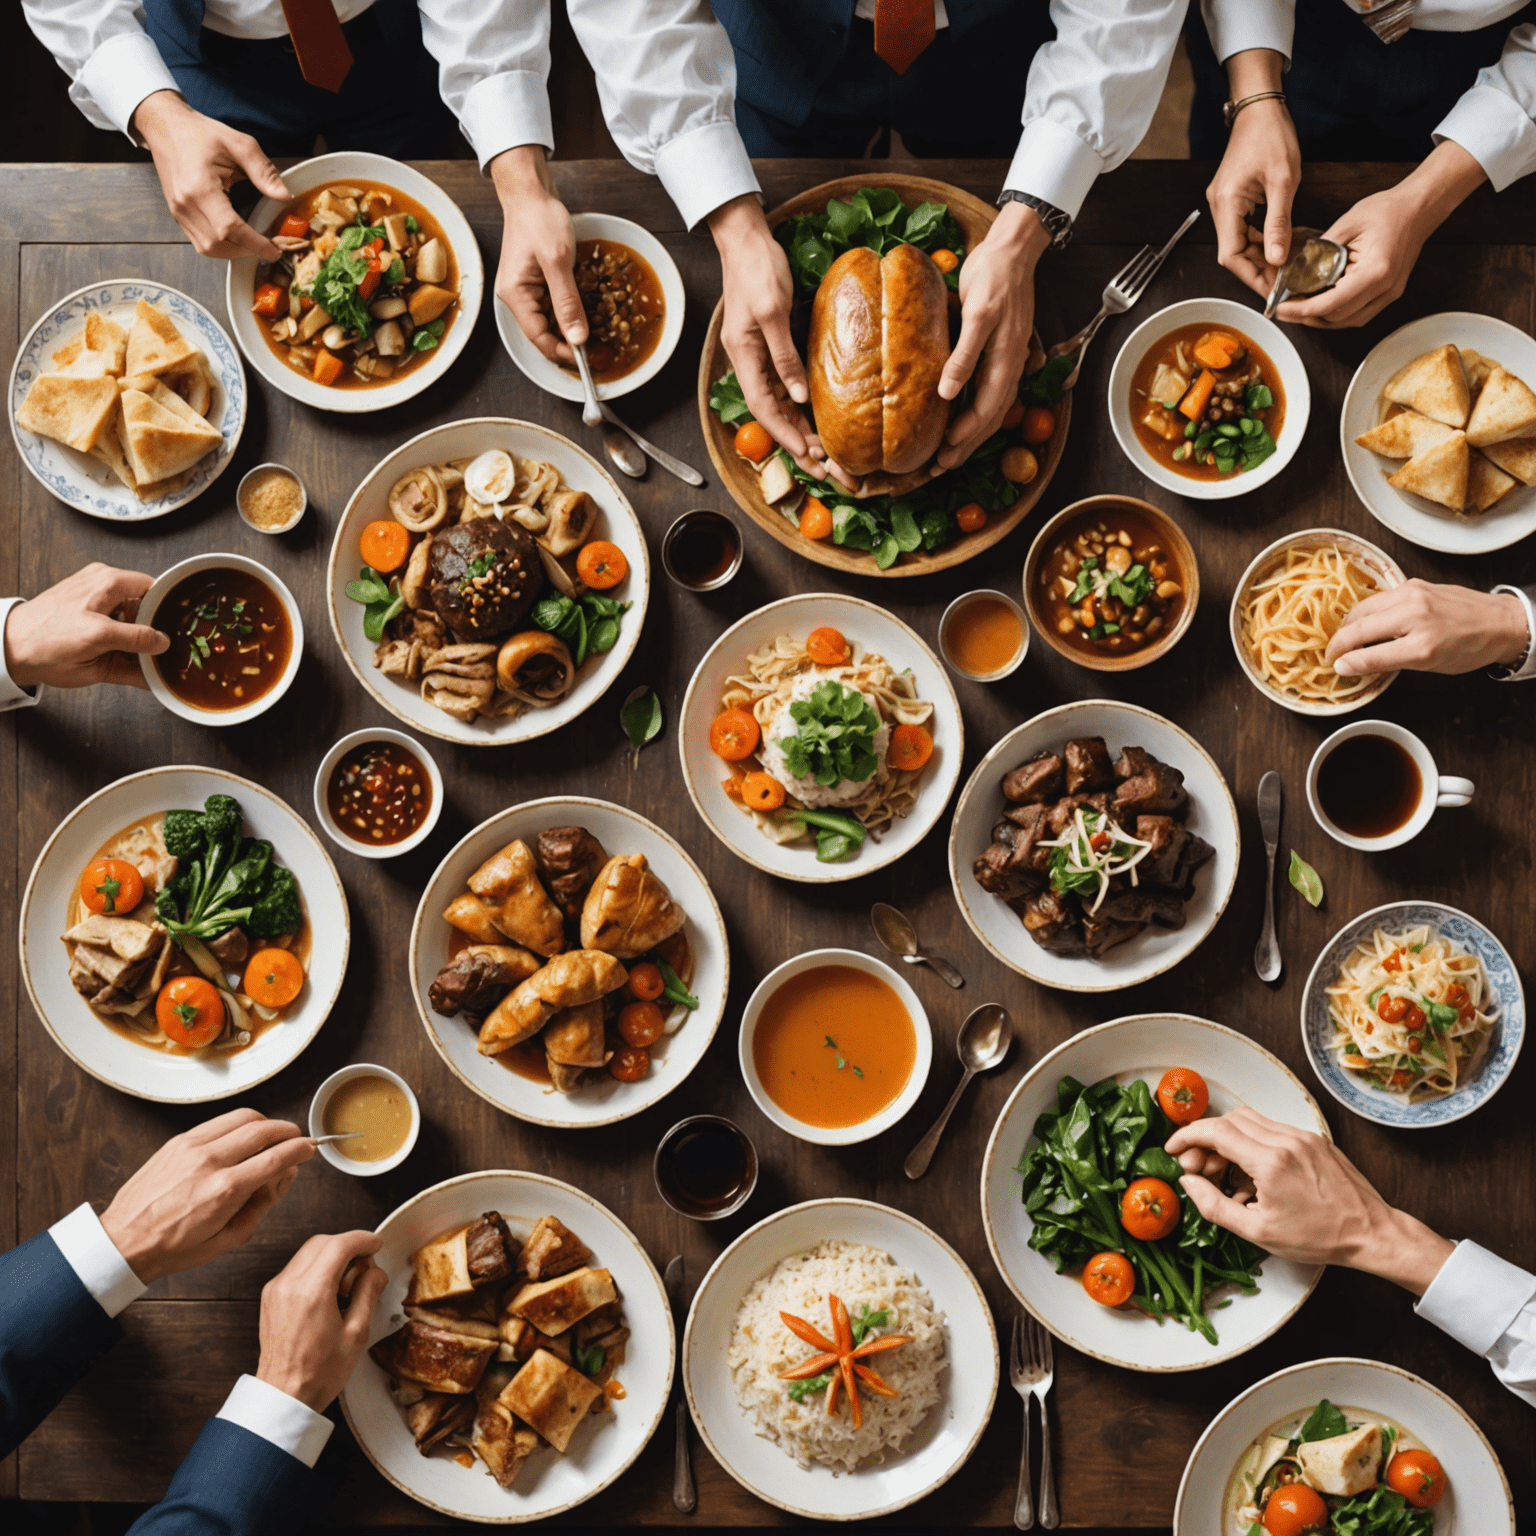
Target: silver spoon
x: 1315, y: 264
x: 983, y: 1042
x: 595, y: 414
x: 894, y: 929
x: 321, y: 1141
x: 1266, y: 954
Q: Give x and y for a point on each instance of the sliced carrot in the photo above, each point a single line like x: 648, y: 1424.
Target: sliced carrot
x: 734, y: 734
x: 367, y: 283
x: 762, y: 792
x: 1198, y: 396
x: 911, y: 747
x: 269, y: 300
x: 1216, y: 350
x: 294, y: 227
x: 827, y: 647
x: 806, y: 1332
x: 385, y: 545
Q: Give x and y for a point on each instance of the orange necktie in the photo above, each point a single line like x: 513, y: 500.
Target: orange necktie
x: 903, y: 28
x: 315, y: 29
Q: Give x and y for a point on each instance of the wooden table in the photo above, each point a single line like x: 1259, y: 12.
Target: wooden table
x: 1122, y: 1437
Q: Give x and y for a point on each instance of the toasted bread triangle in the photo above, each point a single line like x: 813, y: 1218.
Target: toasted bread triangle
x: 154, y: 343
x: 1506, y: 407
x: 1434, y: 385
x: 1486, y: 483
x: 1405, y: 436
x: 1440, y: 475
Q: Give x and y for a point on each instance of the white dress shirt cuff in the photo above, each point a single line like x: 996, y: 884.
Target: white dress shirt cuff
x: 1527, y: 668
x: 704, y: 168
x: 1495, y: 130
x: 1234, y: 26
x: 121, y: 73
x: 506, y: 110
x: 12, y: 694
x: 284, y: 1421
x: 103, y: 1271
x: 1476, y: 1297
x: 1054, y: 164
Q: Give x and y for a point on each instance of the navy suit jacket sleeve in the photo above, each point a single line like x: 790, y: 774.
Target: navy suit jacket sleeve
x: 51, y: 1330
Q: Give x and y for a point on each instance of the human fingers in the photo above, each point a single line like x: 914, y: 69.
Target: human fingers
x: 1388, y: 656
x: 232, y: 1185
x: 774, y: 326
x: 244, y: 1222
x: 1209, y: 1165
x: 1279, y: 190
x: 564, y: 299
x: 977, y: 323
x: 1221, y: 1134
x: 211, y: 1130
x: 1230, y: 204
x: 252, y: 159
x: 112, y: 588
x: 1369, y: 626
x: 327, y: 1256
x: 136, y: 639
x: 997, y: 384
x: 1235, y: 1215
x: 527, y: 302
x: 366, y: 1290
x: 784, y: 422
x: 241, y: 1142
x: 122, y: 671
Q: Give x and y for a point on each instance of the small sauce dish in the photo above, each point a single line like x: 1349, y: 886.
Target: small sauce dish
x: 271, y: 498
x: 345, y: 787
x: 702, y: 550
x: 371, y: 1099
x: 705, y: 1168
x: 974, y: 636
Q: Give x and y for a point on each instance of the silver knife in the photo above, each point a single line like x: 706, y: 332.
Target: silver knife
x: 1266, y: 954
x: 683, y: 1495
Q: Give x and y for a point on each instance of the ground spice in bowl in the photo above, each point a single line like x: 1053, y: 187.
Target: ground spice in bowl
x: 271, y: 499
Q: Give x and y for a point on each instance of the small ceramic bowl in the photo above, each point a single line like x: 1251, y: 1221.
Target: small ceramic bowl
x: 845, y: 1135
x: 150, y: 603
x: 731, y: 548
x: 355, y: 845
x: 340, y: 1159
x: 958, y: 607
x: 294, y: 521
x: 675, y: 1199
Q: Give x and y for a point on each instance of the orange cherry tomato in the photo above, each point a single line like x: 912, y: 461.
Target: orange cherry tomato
x: 971, y: 517
x: 827, y: 647
x: 1149, y: 1209
x: 113, y: 886
x: 630, y: 1063
x: 815, y: 520
x: 273, y: 977
x: 911, y: 747
x: 732, y: 785
x: 1294, y: 1510
x: 385, y: 545
x: 762, y: 792
x: 295, y: 227
x: 601, y: 565
x: 641, y: 1024
x: 753, y: 441
x: 1039, y: 424
x: 1414, y: 1018
x: 1183, y: 1095
x: 1109, y: 1279
x: 945, y: 259
x: 190, y: 1011
x: 1418, y: 1476
x: 645, y: 981
x: 734, y: 734
x: 1015, y: 414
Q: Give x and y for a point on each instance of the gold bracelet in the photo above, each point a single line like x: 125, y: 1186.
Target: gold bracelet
x: 1232, y: 108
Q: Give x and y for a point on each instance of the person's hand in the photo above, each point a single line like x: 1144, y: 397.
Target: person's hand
x: 204, y: 1192
x: 198, y: 159
x: 997, y: 316
x: 1262, y: 165
x: 67, y: 636
x: 1430, y: 628
x: 315, y: 1314
x: 534, y: 277
x: 1309, y: 1203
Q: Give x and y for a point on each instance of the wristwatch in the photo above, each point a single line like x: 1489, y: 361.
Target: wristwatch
x: 1057, y: 224
x: 1523, y: 668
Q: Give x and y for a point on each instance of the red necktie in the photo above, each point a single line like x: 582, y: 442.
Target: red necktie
x: 903, y: 28
x: 315, y: 29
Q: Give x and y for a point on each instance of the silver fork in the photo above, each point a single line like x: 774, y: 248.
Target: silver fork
x: 1032, y: 1375
x: 1125, y: 287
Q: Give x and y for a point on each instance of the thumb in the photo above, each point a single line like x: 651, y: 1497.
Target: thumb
x: 1277, y: 223
x: 1222, y: 1209
x: 252, y: 159
x: 565, y: 302
x: 137, y: 639
x: 364, y: 1298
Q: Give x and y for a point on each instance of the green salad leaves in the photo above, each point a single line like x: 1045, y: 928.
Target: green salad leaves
x: 588, y: 624
x: 336, y: 286
x: 875, y: 217
x: 835, y: 736
x: 380, y: 597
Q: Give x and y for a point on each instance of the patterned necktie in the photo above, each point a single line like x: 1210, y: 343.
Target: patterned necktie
x: 315, y: 30
x: 1388, y: 19
x: 903, y: 28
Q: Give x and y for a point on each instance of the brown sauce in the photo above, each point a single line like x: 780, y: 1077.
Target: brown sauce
x: 379, y: 793
x: 376, y: 1107
x: 703, y: 549
x: 1369, y: 786
x: 983, y: 636
x: 704, y: 1168
x: 626, y: 310
x: 230, y: 639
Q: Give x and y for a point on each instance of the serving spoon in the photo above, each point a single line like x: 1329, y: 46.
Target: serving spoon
x: 1314, y: 265
x: 322, y: 1141
x: 982, y: 1043
x: 595, y: 414
x: 894, y: 930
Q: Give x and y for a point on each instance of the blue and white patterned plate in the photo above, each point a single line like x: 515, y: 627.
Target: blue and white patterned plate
x: 84, y: 483
x: 1372, y: 1103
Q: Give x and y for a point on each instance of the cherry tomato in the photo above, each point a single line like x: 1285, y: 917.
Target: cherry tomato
x: 762, y: 792
x: 827, y: 647
x: 601, y: 565
x: 1183, y: 1095
x: 1039, y: 424
x: 971, y: 517
x: 911, y: 747
x: 1418, y: 1477
x: 1109, y: 1279
x: 753, y: 441
x: 274, y: 977
x: 645, y: 981
x: 734, y: 734
x: 945, y: 259
x: 641, y: 1024
x: 1390, y: 1008
x: 385, y: 545
x: 1414, y: 1018
x: 1015, y: 414
x: 815, y: 519
x: 1149, y: 1209
x: 190, y: 1011
x: 1295, y: 1509
x: 630, y: 1063
x: 113, y: 886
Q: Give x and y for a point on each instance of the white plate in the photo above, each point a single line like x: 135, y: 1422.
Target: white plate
x: 605, y: 1100
x: 1417, y: 520
x: 1476, y: 1502
x: 462, y: 440
x: 84, y: 483
x: 940, y: 1445
x: 604, y: 1447
x: 562, y: 382
x: 877, y: 631
x: 1238, y: 1071
x: 1269, y: 336
x: 111, y: 1057
x: 379, y: 170
x: 1211, y: 814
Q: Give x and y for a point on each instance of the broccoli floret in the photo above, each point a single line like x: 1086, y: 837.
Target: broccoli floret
x: 276, y: 910
x: 183, y: 834
x: 222, y: 819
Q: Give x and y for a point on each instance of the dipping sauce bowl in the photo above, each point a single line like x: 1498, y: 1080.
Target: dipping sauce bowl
x: 705, y: 1167
x: 371, y: 1099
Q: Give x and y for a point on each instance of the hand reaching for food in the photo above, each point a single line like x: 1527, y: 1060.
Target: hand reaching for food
x: 68, y: 636
x: 1430, y: 628
x: 535, y: 278
x: 1262, y: 166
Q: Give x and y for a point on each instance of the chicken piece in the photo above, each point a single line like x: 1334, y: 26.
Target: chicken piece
x: 552, y: 1249
x: 128, y: 940
x: 106, y: 968
x: 552, y: 1306
x: 1168, y: 385
x: 479, y: 976
x: 1088, y: 765
x: 231, y: 949
x: 436, y: 1416
x: 550, y: 1397
x: 578, y: 976
x: 1036, y: 782
x: 569, y: 859
x: 501, y: 1442
x: 1164, y: 423
x: 575, y: 1037
x: 443, y: 1360
x: 508, y: 887
x: 628, y: 910
x: 470, y: 915
x: 1343, y: 1465
x: 145, y: 849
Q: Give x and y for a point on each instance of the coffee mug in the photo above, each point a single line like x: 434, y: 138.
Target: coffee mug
x: 1434, y: 789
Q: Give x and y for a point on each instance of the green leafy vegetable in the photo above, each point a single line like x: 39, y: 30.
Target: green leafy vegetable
x: 875, y: 217
x: 381, y: 598
x: 800, y: 1390
x: 835, y: 736
x: 1380, y: 1512
x: 1323, y: 1423
x: 589, y: 625
x: 1048, y: 385
x: 1306, y: 879
x: 425, y: 337
x: 589, y: 1361
x: 728, y: 403
x: 641, y: 719
x: 1441, y: 1015
x: 864, y: 1320
x: 832, y: 1046
x: 673, y: 989
x: 838, y: 836
x: 336, y: 285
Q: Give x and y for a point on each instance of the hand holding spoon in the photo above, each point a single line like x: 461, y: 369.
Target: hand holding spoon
x: 322, y: 1141
x: 983, y: 1042
x: 894, y: 930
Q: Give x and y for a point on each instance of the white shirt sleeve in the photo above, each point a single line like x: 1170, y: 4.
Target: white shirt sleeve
x: 103, y: 1271
x: 102, y: 46
x: 12, y: 694
x: 1234, y: 26
x: 287, y: 1423
x: 1493, y: 120
x: 1527, y: 668
x: 1091, y: 94
x: 1489, y: 1305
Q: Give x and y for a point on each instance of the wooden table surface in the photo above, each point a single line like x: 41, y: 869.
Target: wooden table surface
x: 1122, y: 1437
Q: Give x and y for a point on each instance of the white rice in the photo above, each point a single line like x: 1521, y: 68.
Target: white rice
x: 762, y: 1347
x: 805, y: 789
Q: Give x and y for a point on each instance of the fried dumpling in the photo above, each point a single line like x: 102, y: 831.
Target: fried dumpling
x: 1486, y: 483
x: 1515, y: 456
x: 154, y: 343
x: 160, y: 441
x: 1405, y: 436
x: 71, y: 411
x: 508, y: 887
x: 575, y: 1037
x: 576, y: 977
x: 1440, y: 475
x: 628, y: 910
x: 1506, y: 407
x: 1434, y: 385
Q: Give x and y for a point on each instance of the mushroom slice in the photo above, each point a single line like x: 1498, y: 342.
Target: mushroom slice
x: 418, y: 500
x: 432, y: 262
x: 535, y: 667
x: 490, y: 476
x: 415, y: 581
x: 390, y: 339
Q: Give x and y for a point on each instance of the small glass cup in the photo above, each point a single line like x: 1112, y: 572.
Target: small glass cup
x: 705, y: 1167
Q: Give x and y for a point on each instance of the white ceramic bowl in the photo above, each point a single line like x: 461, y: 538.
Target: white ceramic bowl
x: 957, y: 607
x: 601, y: 1449
x: 294, y: 521
x: 940, y: 1445
x: 104, y: 1053
x: 379, y: 170
x: 354, y: 845
x: 1421, y: 522
x: 1382, y: 566
x: 1477, y: 1500
x: 1237, y: 1071
x: 329, y: 1151
x: 156, y: 595
x: 566, y: 383
x: 1211, y: 814
x: 823, y: 1135
x: 604, y: 1100
x: 461, y: 440
x: 84, y: 483
x: 1269, y: 336
x: 877, y: 630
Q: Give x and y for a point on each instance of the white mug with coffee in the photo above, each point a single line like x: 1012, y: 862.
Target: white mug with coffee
x: 1373, y: 785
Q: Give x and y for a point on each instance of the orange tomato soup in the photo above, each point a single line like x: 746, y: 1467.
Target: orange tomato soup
x: 834, y: 1046
x: 983, y: 636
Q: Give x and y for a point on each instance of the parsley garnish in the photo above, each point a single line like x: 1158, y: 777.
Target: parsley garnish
x: 835, y: 736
